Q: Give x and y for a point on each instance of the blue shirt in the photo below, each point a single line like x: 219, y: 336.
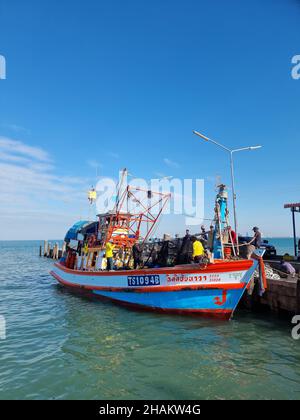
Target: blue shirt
x: 287, y: 268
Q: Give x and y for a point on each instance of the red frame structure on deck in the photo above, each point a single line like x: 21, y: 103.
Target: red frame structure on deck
x: 132, y: 221
x: 146, y: 215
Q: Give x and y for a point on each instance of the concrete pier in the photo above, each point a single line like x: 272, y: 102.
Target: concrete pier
x: 282, y: 297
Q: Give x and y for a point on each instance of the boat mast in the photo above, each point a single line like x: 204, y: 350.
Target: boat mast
x: 119, y: 189
x: 221, y: 212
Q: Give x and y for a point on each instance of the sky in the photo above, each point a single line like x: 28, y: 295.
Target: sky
x: 95, y: 86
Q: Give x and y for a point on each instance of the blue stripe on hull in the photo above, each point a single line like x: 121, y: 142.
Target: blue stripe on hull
x: 205, y: 299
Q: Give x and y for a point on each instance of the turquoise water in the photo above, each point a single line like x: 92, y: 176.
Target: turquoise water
x: 62, y: 346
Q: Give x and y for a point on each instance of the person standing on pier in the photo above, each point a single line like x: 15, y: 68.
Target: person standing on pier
x: 287, y: 268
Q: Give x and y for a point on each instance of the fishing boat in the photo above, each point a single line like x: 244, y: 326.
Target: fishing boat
x: 212, y: 291
x: 211, y: 288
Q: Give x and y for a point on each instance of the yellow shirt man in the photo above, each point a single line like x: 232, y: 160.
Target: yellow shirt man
x: 109, y: 249
x: 198, y: 249
x: 85, y: 249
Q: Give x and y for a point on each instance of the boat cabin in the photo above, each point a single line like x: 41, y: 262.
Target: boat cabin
x: 116, y: 227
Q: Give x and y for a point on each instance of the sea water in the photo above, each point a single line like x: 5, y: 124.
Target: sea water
x: 61, y: 346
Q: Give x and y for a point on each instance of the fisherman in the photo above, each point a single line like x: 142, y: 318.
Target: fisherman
x: 92, y: 195
x: 210, y: 237
x: 153, y: 258
x: 187, y: 234
x: 137, y: 255
x: 85, y: 248
x: 203, y: 233
x: 198, y: 250
x: 232, y: 236
x: 287, y: 268
x: 185, y: 251
x: 256, y: 240
x: 109, y: 248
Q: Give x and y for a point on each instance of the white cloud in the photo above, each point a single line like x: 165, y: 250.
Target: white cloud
x: 160, y: 175
x: 30, y: 184
x: 171, y: 163
x: 16, y: 148
x: 94, y: 164
x: 42, y: 167
x: 114, y: 155
x: 16, y: 128
x: 7, y: 157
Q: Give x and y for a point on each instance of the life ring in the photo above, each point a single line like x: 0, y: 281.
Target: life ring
x: 91, y: 241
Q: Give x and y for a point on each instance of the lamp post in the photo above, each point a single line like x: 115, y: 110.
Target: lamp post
x: 231, y: 152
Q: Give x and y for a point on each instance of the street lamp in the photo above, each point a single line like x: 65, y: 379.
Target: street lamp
x: 231, y: 152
